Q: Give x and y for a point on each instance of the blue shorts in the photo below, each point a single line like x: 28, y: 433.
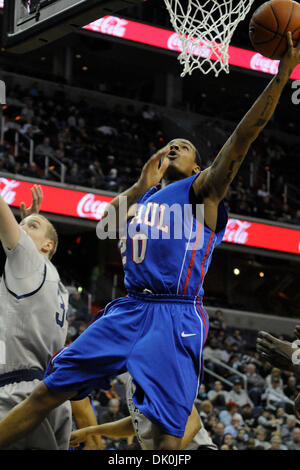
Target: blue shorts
x: 158, y: 339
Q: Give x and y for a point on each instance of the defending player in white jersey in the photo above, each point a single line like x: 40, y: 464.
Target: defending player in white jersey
x: 138, y: 425
x: 33, y: 326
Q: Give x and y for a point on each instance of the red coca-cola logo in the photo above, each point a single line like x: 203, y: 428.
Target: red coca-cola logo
x: 175, y: 43
x: 111, y: 25
x: 263, y: 64
x: 90, y: 208
x: 196, y: 47
x: 7, y: 190
x: 237, y: 231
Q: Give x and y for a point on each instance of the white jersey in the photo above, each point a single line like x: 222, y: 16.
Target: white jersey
x: 33, y: 307
x: 143, y: 426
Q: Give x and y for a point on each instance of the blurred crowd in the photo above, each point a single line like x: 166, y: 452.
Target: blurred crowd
x: 105, y: 148
x: 249, y: 407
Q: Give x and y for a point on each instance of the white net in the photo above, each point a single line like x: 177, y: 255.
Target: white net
x: 205, y: 29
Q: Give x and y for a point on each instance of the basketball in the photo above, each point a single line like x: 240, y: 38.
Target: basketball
x: 270, y: 24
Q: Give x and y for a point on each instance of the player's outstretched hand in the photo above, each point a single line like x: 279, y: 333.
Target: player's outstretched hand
x: 37, y: 197
x: 292, y: 56
x: 79, y: 436
x: 278, y: 353
x: 154, y: 170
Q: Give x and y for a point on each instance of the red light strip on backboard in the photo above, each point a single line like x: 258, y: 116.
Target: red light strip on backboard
x: 168, y: 40
x: 91, y: 206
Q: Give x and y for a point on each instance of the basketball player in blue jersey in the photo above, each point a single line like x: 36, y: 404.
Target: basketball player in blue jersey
x: 158, y: 331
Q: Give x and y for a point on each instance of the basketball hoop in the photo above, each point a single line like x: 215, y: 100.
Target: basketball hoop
x: 205, y: 29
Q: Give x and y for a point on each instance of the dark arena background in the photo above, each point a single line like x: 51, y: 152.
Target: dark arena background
x: 91, y: 94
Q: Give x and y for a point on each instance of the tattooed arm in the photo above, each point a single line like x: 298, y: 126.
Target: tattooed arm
x: 215, y: 180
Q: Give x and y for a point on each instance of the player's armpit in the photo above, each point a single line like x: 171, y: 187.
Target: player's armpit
x: 216, y: 179
x: 227, y: 163
x: 9, y: 228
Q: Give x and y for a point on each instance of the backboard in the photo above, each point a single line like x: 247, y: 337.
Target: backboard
x: 30, y: 24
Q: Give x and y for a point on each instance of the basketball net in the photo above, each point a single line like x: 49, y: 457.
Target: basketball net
x: 205, y: 29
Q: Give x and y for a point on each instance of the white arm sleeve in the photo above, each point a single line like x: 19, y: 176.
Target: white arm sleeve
x: 24, y: 259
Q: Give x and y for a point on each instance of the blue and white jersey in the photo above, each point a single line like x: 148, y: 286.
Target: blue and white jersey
x: 168, y: 250
x: 33, y: 307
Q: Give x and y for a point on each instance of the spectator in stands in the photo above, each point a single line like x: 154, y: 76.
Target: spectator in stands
x: 281, y: 416
x: 7, y: 157
x: 241, y: 439
x: 113, y: 413
x: 224, y: 447
x: 276, y: 443
x: 211, y: 424
x: 218, y: 323
x: 27, y: 110
x: 288, y: 428
x: 206, y: 410
x: 74, y: 176
x: 235, y: 425
x: 212, y: 352
x: 274, y: 395
x: 260, y: 438
x: 234, y: 360
x: 251, y: 444
x: 238, y: 394
x: 294, y: 443
x: 275, y: 372
x: 225, y: 416
x: 290, y: 389
x: 79, y: 307
x: 263, y: 192
x: 202, y: 395
x: 44, y: 148
x: 96, y: 171
x: 229, y: 441
x: 218, y: 396
x: 255, y: 384
x: 267, y: 420
x: 217, y: 435
x: 250, y: 414
x: 236, y: 339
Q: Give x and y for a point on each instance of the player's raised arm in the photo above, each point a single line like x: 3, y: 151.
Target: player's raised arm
x: 9, y: 228
x: 151, y: 175
x: 216, y: 179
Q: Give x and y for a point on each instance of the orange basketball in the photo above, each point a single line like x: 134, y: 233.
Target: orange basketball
x: 270, y: 24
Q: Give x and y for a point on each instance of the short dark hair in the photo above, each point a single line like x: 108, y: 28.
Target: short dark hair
x: 198, y: 158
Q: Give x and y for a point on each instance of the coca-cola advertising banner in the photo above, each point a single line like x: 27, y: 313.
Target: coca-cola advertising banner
x: 165, y: 39
x: 56, y: 200
x: 266, y: 236
x: 91, y: 206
